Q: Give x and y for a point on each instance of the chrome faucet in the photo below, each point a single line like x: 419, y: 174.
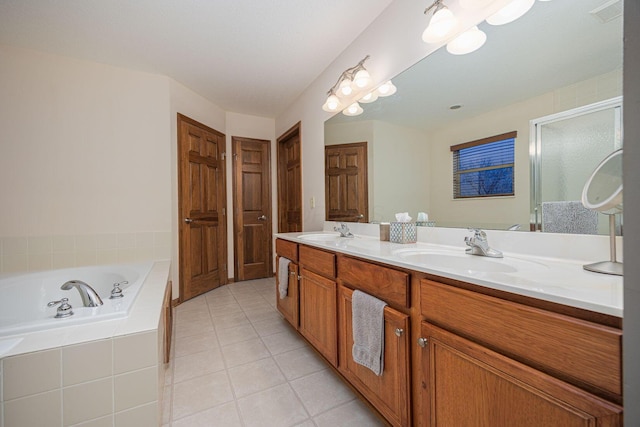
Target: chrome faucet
x: 90, y: 297
x: 478, y: 244
x: 343, y: 230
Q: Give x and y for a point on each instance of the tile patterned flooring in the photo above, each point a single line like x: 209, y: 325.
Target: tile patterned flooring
x: 236, y: 362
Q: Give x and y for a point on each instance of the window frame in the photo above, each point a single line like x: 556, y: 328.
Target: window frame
x: 456, y: 172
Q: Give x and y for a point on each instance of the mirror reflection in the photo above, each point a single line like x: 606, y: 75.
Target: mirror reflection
x: 560, y: 56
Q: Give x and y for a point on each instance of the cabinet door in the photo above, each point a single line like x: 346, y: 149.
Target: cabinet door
x: 318, y: 313
x: 288, y: 306
x: 389, y: 392
x: 467, y: 384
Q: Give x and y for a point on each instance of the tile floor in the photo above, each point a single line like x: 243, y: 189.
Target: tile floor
x: 236, y: 362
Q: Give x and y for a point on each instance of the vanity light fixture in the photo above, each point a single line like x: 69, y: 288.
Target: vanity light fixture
x: 467, y: 42
x: 370, y: 97
x: 443, y: 23
x: 353, y: 110
x: 512, y: 11
x: 387, y: 89
x: 351, y: 81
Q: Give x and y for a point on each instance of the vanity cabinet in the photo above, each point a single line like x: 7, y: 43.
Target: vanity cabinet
x: 493, y: 362
x: 288, y: 306
x: 318, y: 307
x: 389, y: 393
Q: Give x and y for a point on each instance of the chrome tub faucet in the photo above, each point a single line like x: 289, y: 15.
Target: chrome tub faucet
x: 90, y: 297
x: 478, y: 244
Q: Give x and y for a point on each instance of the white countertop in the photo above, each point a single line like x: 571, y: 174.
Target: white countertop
x: 551, y: 279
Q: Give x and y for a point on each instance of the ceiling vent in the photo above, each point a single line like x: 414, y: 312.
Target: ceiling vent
x: 608, y: 11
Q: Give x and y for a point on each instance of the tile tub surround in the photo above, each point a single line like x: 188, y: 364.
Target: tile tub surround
x: 236, y: 362
x: 109, y: 373
x: 47, y: 252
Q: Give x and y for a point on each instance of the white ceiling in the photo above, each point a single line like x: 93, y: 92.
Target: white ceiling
x: 247, y: 56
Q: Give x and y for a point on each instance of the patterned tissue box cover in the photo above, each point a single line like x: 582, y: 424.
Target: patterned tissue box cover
x: 403, y: 232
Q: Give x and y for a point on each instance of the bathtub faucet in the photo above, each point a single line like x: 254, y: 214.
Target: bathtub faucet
x: 90, y: 298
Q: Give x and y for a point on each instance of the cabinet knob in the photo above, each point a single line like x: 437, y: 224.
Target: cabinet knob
x: 422, y: 342
x: 399, y: 332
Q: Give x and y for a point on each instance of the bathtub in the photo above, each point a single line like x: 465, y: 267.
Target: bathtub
x: 24, y: 298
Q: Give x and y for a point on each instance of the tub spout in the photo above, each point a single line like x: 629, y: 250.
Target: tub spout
x: 90, y: 297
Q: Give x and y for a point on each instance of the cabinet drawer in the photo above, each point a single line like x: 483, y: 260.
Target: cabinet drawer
x: 385, y: 283
x: 287, y: 249
x: 317, y: 260
x: 581, y: 352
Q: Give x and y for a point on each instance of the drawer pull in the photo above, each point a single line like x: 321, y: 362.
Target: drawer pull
x: 422, y: 342
x: 399, y: 332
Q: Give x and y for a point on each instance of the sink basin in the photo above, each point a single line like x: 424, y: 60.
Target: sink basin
x: 460, y: 261
x: 319, y: 237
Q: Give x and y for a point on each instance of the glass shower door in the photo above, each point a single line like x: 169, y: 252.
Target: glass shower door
x: 568, y: 147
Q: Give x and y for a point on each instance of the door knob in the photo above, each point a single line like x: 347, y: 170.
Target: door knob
x: 188, y: 220
x: 262, y: 218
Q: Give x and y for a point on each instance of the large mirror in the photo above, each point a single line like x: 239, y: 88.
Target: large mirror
x: 561, y: 55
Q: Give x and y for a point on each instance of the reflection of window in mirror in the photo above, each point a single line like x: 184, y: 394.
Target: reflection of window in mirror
x: 484, y: 167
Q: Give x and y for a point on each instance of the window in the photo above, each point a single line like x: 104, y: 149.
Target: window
x: 484, y: 168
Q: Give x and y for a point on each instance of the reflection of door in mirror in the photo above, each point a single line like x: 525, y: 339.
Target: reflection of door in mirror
x: 588, y: 133
x: 346, y: 182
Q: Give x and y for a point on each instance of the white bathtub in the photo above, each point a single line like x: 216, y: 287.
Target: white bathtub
x: 24, y: 298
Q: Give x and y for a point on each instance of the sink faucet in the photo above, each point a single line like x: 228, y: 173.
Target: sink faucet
x: 478, y: 245
x: 90, y: 297
x: 343, y: 230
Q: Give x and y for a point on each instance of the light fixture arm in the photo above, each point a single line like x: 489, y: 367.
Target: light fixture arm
x: 349, y: 73
x: 436, y: 4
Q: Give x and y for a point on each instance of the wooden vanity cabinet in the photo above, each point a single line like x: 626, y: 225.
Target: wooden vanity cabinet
x: 388, y: 393
x: 289, y: 305
x: 318, y: 307
x: 493, y: 362
x: 469, y: 385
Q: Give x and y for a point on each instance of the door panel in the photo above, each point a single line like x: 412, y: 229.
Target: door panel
x: 290, y: 181
x: 202, y: 196
x: 252, y: 208
x: 346, y: 183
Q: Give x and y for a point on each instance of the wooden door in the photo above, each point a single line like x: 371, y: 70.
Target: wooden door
x: 468, y: 384
x: 290, y: 181
x: 318, y: 313
x: 252, y: 208
x: 389, y: 392
x: 288, y: 305
x: 346, y: 182
x: 202, y: 199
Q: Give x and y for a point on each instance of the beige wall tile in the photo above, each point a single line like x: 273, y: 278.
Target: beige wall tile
x: 108, y: 241
x: 87, y: 362
x: 136, y: 388
x: 40, y: 245
x: 147, y: 415
x: 126, y: 240
x: 107, y: 256
x: 13, y: 263
x: 98, y: 422
x: 133, y: 352
x: 64, y: 259
x: 64, y: 243
x: 86, y: 257
x: 31, y: 373
x: 34, y: 411
x: 87, y: 401
x: 145, y: 240
x: 38, y: 262
x: 86, y: 242
x: 15, y: 245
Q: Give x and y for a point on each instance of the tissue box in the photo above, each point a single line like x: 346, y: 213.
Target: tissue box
x: 384, y: 231
x: 403, y: 232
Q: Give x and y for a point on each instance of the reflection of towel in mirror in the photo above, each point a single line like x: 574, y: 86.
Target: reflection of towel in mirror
x: 368, y: 331
x: 283, y: 277
x: 568, y: 217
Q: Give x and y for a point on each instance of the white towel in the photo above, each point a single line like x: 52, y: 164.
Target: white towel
x: 367, y: 314
x: 283, y: 276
